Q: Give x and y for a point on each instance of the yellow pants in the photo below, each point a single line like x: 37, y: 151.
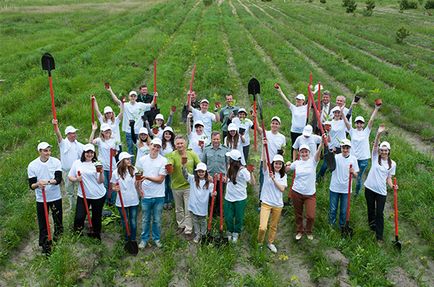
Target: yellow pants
x: 263, y: 222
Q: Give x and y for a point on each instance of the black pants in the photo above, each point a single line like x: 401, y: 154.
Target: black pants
x: 80, y: 215
x: 294, y: 136
x: 56, y: 213
x: 216, y: 211
x: 375, y: 203
x: 246, y: 150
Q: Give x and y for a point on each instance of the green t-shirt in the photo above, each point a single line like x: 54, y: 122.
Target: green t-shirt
x: 178, y: 180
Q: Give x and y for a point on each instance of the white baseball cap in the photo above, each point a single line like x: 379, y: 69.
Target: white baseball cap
x: 328, y: 123
x: 335, y: 109
x: 234, y: 154
x: 108, y: 109
x: 159, y: 117
x: 133, y: 93
x: 88, y: 147
x: 198, y: 122
x: 143, y: 130
x: 123, y: 155
x: 70, y: 129
x: 385, y: 145
x: 232, y: 127
x: 276, y: 118
x: 300, y: 97
x: 157, y: 141
x: 43, y: 145
x: 304, y: 146
x: 345, y: 142
x: 307, y: 130
x: 200, y: 166
x: 204, y: 101
x: 278, y: 157
x: 242, y: 110
x: 105, y: 127
x: 168, y: 129
x: 359, y: 119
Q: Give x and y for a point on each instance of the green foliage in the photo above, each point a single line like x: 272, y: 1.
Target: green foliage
x: 401, y: 34
x: 429, y: 4
x: 407, y: 4
x: 207, y: 2
x: 350, y: 5
x: 369, y: 10
x: 323, y: 1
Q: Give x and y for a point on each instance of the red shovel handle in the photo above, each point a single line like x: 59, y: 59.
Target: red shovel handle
x: 211, y: 211
x: 109, y: 192
x: 221, y: 200
x: 155, y: 81
x: 124, y: 213
x: 85, y: 201
x: 349, y: 194
x: 318, y: 118
x: 395, y: 205
x: 93, y: 109
x: 255, y: 143
x: 47, y: 220
x: 267, y: 154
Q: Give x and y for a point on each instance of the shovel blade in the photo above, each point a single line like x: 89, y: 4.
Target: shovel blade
x: 397, y: 244
x: 253, y: 87
x: 131, y: 247
x: 47, y: 62
x: 347, y: 231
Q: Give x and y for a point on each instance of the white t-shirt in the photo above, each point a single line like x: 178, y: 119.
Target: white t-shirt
x: 298, y: 120
x: 69, y: 152
x: 305, y: 176
x: 340, y: 176
x: 207, y: 119
x: 337, y: 133
x: 116, y: 134
x: 238, y: 192
x: 275, y: 142
x: 311, y: 141
x: 199, y: 197
x: 247, y: 125
x: 360, y: 143
x: 168, y: 149
x: 193, y: 142
x: 104, y: 152
x: 134, y: 112
x: 239, y: 147
x: 152, y: 167
x: 378, y: 174
x: 270, y: 194
x: 142, y: 151
x: 130, y: 196
x: 92, y: 188
x: 45, y: 171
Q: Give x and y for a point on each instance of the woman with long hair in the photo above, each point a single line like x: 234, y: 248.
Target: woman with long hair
x: 235, y: 141
x: 142, y: 142
x: 109, y: 117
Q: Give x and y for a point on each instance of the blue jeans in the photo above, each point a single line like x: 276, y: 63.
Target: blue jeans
x: 363, y: 165
x: 130, y: 146
x: 131, y: 213
x: 151, y: 207
x: 112, y: 198
x: 334, y: 200
x: 168, y: 194
x: 261, y: 177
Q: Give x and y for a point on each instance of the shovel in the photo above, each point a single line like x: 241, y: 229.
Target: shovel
x: 48, y: 64
x: 253, y: 89
x: 150, y: 115
x: 346, y: 230
x: 209, y: 238
x: 222, y: 240
x: 131, y: 245
x: 109, y: 192
x: 47, y: 245
x: 396, y: 243
x: 191, y: 84
x: 86, y: 206
x: 93, y: 109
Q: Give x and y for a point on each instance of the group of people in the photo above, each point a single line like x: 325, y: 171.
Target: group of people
x: 161, y: 169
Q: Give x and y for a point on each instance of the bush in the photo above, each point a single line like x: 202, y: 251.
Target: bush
x: 323, y: 1
x: 350, y: 5
x: 370, y: 5
x: 207, y: 2
x: 406, y: 4
x: 401, y: 34
x: 429, y: 4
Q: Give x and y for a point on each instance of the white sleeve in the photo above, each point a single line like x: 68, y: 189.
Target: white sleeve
x: 115, y: 176
x: 30, y: 172
x: 246, y: 174
x: 356, y: 165
x: 393, y: 169
x: 293, y: 165
x: 212, y: 116
x: 73, y: 170
x: 162, y: 170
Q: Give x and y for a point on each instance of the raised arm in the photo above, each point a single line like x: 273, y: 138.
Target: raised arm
x: 258, y: 127
x: 57, y: 131
x: 114, y: 97
x: 170, y: 119
x: 189, y: 117
x: 282, y: 95
x: 98, y: 112
x: 346, y: 121
x: 92, y: 134
x: 381, y: 129
x: 154, y: 99
x: 318, y: 152
x: 373, y: 115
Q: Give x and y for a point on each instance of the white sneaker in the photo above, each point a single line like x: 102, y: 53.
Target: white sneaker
x: 272, y: 247
x: 235, y: 237
x: 298, y: 236
x: 142, y: 245
x: 310, y: 236
x: 158, y: 243
x: 229, y: 236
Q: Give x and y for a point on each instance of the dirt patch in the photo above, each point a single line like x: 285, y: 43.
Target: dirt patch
x: 400, y: 278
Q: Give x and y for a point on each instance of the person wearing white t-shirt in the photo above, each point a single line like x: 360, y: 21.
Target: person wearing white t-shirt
x: 303, y: 190
x: 142, y: 142
x: 201, y: 187
x: 107, y: 149
x: 159, y: 125
x: 46, y: 172
x: 360, y: 144
x: 236, y: 195
x: 340, y: 181
x: 168, y: 146
x: 235, y: 141
x: 307, y: 138
x: 299, y: 114
x: 123, y: 180
x: 275, y: 182
x: 133, y: 115
x: 197, y: 139
x: 380, y: 174
x: 340, y: 103
x: 152, y: 188
x: 244, y: 126
x: 205, y: 116
x: 70, y: 151
x: 93, y: 183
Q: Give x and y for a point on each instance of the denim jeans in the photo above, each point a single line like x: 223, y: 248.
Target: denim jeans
x: 130, y: 146
x: 363, y: 165
x: 168, y: 194
x: 335, y: 197
x: 261, y: 178
x: 131, y: 213
x: 151, y: 207
x: 112, y: 194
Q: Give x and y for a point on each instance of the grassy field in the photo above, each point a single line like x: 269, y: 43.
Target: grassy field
x: 230, y: 41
